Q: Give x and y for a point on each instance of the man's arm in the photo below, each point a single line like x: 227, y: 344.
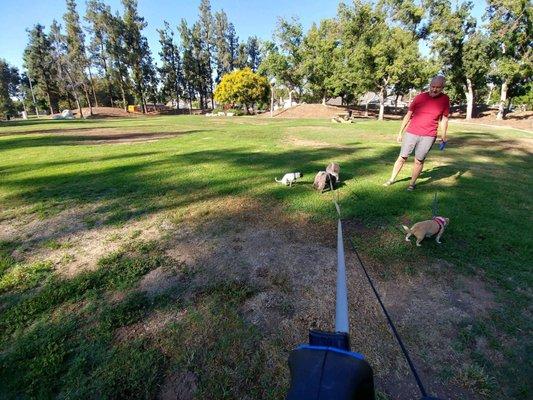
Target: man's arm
x: 404, y: 124
x: 444, y: 128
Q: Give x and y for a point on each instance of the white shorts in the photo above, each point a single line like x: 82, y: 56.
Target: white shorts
x: 420, y: 144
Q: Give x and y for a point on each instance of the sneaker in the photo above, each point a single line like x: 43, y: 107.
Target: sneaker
x: 410, y: 188
x: 388, y: 183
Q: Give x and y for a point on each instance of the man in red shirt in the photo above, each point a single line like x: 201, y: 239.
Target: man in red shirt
x: 422, y: 120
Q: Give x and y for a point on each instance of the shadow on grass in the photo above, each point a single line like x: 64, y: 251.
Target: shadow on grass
x: 166, y: 181
x: 487, y: 232
x: 74, y: 140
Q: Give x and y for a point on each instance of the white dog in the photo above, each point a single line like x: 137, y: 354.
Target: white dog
x: 290, y: 178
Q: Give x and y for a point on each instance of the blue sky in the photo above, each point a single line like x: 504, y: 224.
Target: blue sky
x: 250, y: 17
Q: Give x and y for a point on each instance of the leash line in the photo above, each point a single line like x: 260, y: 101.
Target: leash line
x: 389, y: 320
x: 391, y: 324
x: 435, y: 206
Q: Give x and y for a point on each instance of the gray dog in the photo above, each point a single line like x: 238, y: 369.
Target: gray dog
x: 328, y: 178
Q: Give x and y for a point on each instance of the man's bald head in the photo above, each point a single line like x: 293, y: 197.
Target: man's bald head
x: 436, y: 86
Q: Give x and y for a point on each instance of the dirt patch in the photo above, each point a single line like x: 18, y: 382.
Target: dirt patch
x: 290, y: 262
x: 72, y: 240
x: 518, y: 120
x: 112, y: 135
x: 101, y: 112
x: 149, y: 327
x: 159, y: 280
x: 105, y: 112
x: 310, y: 111
x: 428, y: 313
x: 179, y: 386
x: 293, y: 141
x: 517, y: 146
x: 123, y: 137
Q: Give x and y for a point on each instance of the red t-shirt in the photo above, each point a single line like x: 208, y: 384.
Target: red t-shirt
x: 427, y: 112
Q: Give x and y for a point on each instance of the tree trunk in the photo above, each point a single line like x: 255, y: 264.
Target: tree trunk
x: 109, y: 92
x: 469, y: 93
x: 177, y: 91
x: 88, y: 99
x: 503, y: 98
x: 92, y: 86
x: 50, y: 103
x: 143, y: 103
x: 381, y: 103
x: 491, y: 88
x: 107, y: 76
x: 79, y: 106
x: 123, y: 93
x: 211, y: 93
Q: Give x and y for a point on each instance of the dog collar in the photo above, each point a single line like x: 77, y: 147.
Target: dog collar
x: 440, y: 221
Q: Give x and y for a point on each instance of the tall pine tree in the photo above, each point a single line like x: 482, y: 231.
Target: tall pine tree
x: 9, y: 81
x: 76, y: 57
x: 223, y: 55
x: 189, y: 63
x: 41, y: 67
x: 138, y: 55
x: 99, y: 16
x: 171, y: 68
x: 208, y: 43
x: 67, y: 84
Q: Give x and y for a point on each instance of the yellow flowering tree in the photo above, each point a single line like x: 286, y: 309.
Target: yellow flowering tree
x: 242, y: 87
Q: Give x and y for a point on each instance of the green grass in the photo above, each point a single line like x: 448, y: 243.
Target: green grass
x: 56, y: 333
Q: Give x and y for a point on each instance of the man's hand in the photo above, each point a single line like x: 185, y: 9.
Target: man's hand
x: 443, y: 138
x: 399, y: 138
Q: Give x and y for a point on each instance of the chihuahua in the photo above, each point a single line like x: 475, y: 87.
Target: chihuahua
x: 430, y: 227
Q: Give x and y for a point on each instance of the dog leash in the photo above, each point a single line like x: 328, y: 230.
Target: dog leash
x: 343, y: 295
x: 435, y: 206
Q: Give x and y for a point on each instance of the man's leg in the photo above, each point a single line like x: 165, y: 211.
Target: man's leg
x: 417, y: 169
x: 408, y: 144
x: 422, y: 148
x: 400, y: 161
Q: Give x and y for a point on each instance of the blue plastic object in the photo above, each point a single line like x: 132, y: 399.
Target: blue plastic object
x: 442, y: 145
x: 322, y: 373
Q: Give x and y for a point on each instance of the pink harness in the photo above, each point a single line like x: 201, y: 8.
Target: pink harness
x: 441, y: 222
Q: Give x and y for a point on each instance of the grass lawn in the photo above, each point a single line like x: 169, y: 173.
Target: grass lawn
x: 158, y: 258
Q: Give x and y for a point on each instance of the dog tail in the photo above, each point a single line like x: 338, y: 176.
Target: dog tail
x: 406, y: 229
x: 276, y: 179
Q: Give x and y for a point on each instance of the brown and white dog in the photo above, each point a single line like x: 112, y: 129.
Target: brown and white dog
x: 334, y: 169
x: 430, y: 227
x: 327, y: 179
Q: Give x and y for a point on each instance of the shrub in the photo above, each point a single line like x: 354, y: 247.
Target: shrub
x: 242, y: 87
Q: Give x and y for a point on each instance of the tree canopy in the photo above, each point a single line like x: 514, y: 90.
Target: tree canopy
x: 368, y: 47
x: 242, y: 87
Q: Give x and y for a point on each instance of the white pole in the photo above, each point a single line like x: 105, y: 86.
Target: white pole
x: 271, y: 101
x: 341, y: 306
